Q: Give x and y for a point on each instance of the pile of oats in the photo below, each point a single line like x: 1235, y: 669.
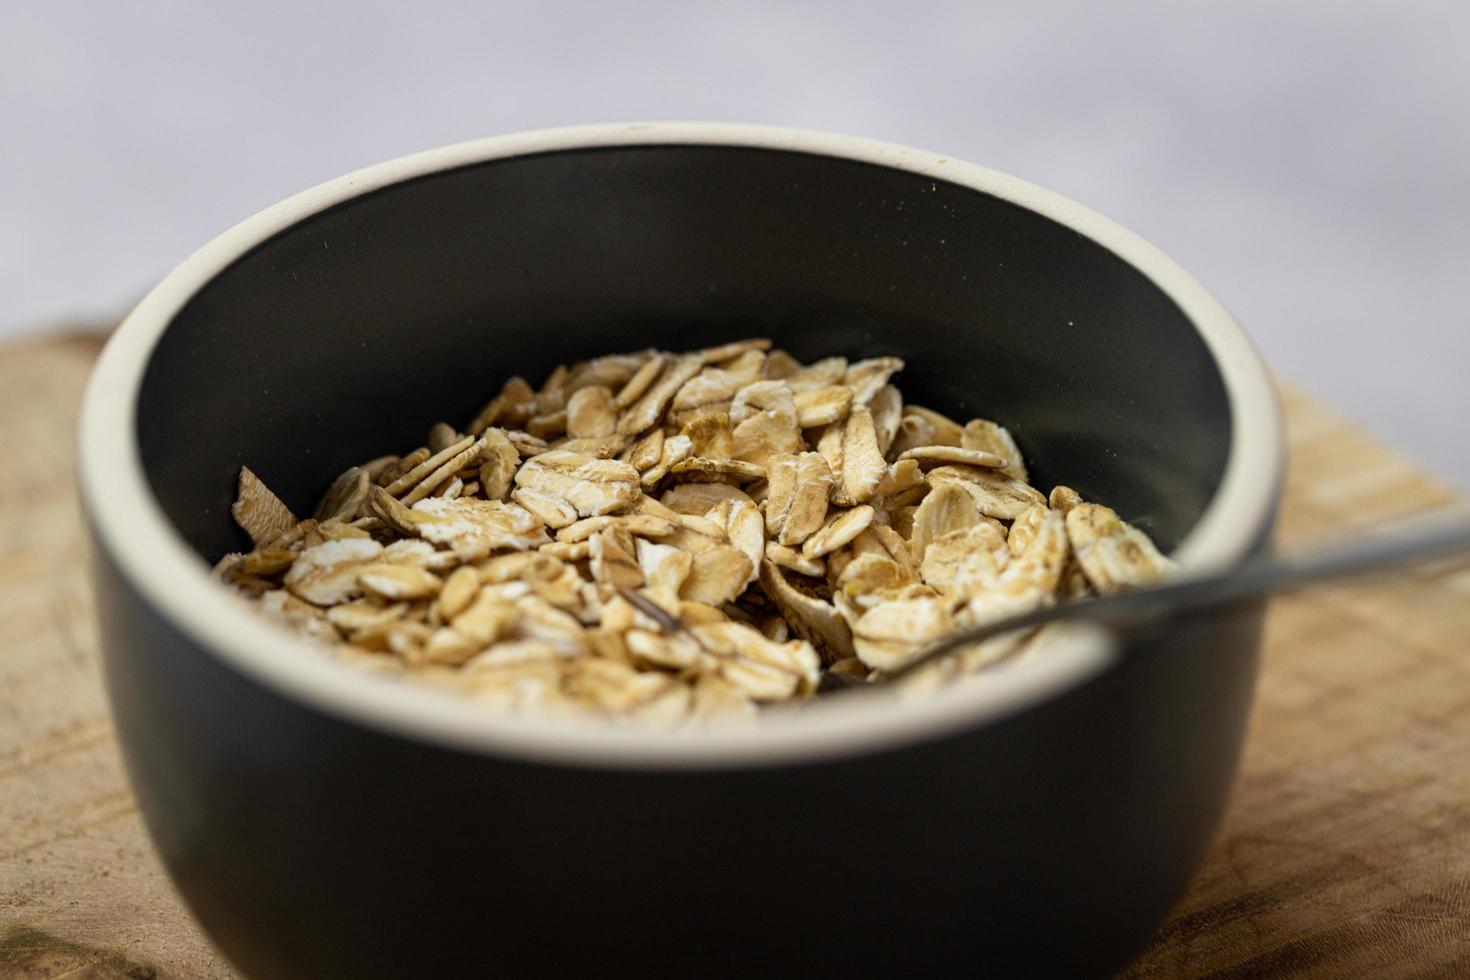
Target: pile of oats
x: 664, y: 537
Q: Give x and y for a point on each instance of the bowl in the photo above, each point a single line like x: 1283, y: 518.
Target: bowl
x: 320, y: 822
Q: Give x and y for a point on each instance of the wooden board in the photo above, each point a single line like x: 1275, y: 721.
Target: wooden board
x: 1346, y: 850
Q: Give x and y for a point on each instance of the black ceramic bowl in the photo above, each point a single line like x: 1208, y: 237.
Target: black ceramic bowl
x: 323, y: 822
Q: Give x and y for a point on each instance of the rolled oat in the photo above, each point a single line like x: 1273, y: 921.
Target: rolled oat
x: 663, y: 538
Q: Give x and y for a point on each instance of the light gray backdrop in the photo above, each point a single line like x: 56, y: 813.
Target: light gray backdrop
x: 1309, y: 161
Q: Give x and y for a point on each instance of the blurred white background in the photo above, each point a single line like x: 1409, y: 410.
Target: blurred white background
x: 1310, y: 162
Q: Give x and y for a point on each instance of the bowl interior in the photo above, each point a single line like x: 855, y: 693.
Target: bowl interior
x: 351, y: 332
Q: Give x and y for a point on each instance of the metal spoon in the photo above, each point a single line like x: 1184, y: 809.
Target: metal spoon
x: 1406, y: 543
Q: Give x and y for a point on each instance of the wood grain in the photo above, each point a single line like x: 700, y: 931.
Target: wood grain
x: 81, y: 893
x: 1346, y: 848
x: 1345, y: 852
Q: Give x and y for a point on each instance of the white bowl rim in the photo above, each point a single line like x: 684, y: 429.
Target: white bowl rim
x: 132, y: 529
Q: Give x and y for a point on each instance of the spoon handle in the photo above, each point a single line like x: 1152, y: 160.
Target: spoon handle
x: 1409, y: 542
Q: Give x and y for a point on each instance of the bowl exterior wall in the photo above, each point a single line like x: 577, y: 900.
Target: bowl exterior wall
x: 1051, y: 843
